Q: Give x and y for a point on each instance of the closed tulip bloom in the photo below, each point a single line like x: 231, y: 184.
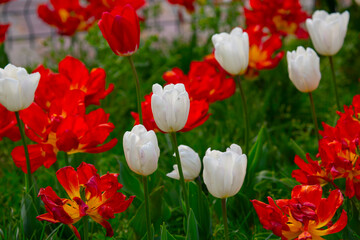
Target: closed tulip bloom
x: 121, y: 29
x: 170, y: 106
x: 224, y: 172
x: 327, y: 31
x: 232, y: 50
x: 304, y: 69
x: 141, y: 150
x: 17, y: 87
x: 190, y: 162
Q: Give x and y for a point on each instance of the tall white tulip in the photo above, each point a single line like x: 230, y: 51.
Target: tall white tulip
x: 190, y: 162
x: 327, y: 31
x: 141, y: 150
x: 304, y: 69
x: 232, y: 50
x: 224, y: 172
x: 170, y: 106
x: 17, y: 87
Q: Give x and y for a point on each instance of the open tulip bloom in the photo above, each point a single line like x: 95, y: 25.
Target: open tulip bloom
x: 101, y: 198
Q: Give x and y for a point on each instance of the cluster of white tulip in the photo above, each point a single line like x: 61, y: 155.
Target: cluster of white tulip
x: 327, y: 32
x: 223, y: 172
x: 17, y: 87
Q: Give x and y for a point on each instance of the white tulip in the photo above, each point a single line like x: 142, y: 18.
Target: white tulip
x: 232, y: 50
x: 304, y: 69
x: 224, y: 172
x: 327, y: 31
x: 190, y: 162
x: 17, y: 87
x: 141, y: 150
x: 170, y: 106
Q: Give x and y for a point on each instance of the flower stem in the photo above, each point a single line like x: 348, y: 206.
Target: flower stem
x: 334, y: 82
x: 178, y: 162
x: 313, y: 113
x: 28, y: 182
x: 66, y: 158
x: 246, y: 116
x: 147, y: 207
x: 86, y: 227
x: 137, y: 84
x: 223, y: 206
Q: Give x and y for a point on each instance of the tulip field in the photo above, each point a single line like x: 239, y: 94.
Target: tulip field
x: 245, y: 124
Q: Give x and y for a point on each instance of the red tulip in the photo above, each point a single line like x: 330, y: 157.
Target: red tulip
x: 121, y: 29
x: 188, y: 4
x: 4, y: 1
x: 8, y: 125
x: 3, y: 30
x: 282, y: 17
x: 305, y: 216
x: 97, y: 7
x: 101, y: 201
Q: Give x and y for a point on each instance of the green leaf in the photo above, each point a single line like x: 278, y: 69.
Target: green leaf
x: 32, y: 227
x: 192, y: 229
x: 165, y: 235
x: 3, y: 56
x: 159, y: 212
x: 297, y: 149
x: 256, y: 152
x: 200, y: 205
x: 130, y: 183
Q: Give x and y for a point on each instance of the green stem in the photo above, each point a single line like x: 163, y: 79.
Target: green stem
x: 137, y: 84
x: 66, y: 158
x: 28, y: 182
x: 226, y: 229
x: 178, y: 162
x: 86, y: 227
x: 246, y: 116
x: 147, y: 207
x: 313, y: 113
x: 334, y: 82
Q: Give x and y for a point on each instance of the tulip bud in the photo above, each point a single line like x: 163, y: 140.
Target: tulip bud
x: 170, y: 106
x: 121, y: 29
x: 327, y: 31
x: 224, y: 172
x: 304, y: 69
x: 141, y: 150
x: 190, y: 162
x: 232, y: 50
x: 17, y: 87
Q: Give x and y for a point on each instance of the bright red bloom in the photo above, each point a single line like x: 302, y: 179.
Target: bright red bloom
x: 101, y: 198
x: 188, y: 4
x: 3, y: 30
x: 68, y: 16
x: 73, y: 74
x: 283, y: 17
x: 121, y: 29
x: 97, y: 7
x: 198, y: 114
x: 66, y: 127
x: 261, y: 51
x: 4, y: 1
x: 339, y: 153
x: 305, y: 216
x: 8, y: 125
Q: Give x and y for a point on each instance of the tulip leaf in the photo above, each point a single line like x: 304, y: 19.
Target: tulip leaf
x: 32, y: 227
x: 297, y: 149
x: 131, y: 184
x: 4, y: 60
x: 159, y: 212
x: 200, y: 207
x: 192, y: 229
x: 165, y: 235
x: 255, y: 152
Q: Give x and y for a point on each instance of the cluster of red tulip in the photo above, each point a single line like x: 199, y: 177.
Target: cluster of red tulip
x: 57, y: 120
x: 304, y: 215
x: 71, y: 16
x: 338, y: 153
